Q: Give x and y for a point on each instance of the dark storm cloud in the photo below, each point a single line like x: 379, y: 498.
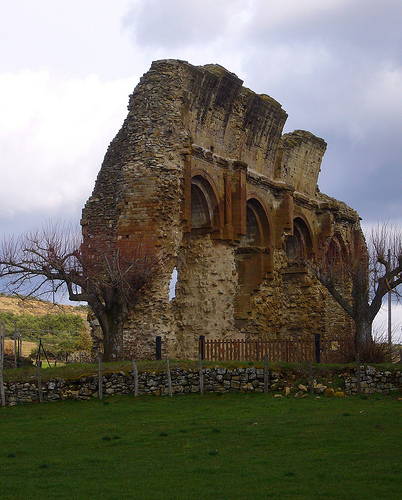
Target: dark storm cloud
x: 366, y: 25
x: 337, y: 72
x: 364, y: 178
x: 335, y: 67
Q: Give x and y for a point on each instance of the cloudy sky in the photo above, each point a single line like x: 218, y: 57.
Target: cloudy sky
x: 67, y: 68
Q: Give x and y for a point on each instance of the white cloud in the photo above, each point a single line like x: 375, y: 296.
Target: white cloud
x: 53, y: 135
x: 335, y: 66
x: 73, y: 38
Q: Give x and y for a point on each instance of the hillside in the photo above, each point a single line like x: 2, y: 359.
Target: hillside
x: 37, y: 307
x: 63, y: 328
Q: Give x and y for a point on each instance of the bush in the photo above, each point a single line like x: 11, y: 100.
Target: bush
x: 375, y: 352
x: 62, y: 345
x: 34, y: 327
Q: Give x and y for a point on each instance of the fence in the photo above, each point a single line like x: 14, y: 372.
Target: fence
x: 280, y: 350
x: 314, y: 349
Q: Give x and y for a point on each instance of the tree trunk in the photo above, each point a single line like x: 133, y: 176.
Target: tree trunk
x: 363, y: 336
x: 113, y: 338
x: 111, y: 322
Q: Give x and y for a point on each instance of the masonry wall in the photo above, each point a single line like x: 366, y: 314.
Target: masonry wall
x: 201, y: 164
x: 217, y: 379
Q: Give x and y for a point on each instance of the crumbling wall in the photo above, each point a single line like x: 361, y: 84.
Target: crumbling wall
x: 207, y: 282
x: 201, y: 165
x: 219, y: 379
x: 299, y: 159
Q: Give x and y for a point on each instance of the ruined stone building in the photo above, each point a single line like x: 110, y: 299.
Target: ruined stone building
x: 201, y: 163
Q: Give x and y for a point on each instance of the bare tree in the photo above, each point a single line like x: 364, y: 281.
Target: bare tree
x: 108, y: 275
x: 359, y: 275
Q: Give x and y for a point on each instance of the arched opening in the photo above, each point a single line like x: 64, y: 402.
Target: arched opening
x: 336, y: 251
x: 299, y: 245
x: 204, y: 210
x: 200, y: 216
x: 253, y: 236
x: 173, y: 284
x: 257, y: 226
x: 253, y: 258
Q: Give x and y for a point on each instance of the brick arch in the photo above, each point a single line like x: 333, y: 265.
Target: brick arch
x: 258, y: 225
x: 336, y: 249
x: 299, y: 244
x: 253, y: 257
x: 205, y: 207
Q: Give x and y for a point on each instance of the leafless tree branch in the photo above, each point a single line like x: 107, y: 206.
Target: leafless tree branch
x: 107, y: 274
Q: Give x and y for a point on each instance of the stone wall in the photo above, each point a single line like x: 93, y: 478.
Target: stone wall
x: 201, y: 165
x: 217, y: 379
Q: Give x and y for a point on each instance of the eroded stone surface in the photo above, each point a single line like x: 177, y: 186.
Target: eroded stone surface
x: 201, y: 164
x: 185, y: 381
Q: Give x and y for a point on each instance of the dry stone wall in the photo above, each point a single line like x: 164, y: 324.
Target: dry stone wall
x: 201, y: 165
x: 217, y: 379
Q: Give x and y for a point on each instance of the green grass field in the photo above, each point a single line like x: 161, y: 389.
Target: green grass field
x: 192, y: 447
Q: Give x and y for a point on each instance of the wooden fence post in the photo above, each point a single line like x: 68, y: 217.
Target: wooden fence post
x: 40, y: 393
x: 201, y: 346
x: 100, y: 378
x: 358, y: 374
x: 201, y: 375
x: 310, y: 372
x: 19, y: 348
x: 265, y: 374
x: 317, y: 348
x: 135, y: 370
x: 15, y: 344
x: 168, y: 376
x: 2, y: 394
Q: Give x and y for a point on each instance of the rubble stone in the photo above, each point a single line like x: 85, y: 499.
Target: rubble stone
x: 201, y: 164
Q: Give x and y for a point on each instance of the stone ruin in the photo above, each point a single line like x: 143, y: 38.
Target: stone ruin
x: 201, y: 164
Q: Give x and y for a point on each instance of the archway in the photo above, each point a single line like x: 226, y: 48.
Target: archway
x: 252, y: 257
x: 299, y: 245
x: 204, y: 206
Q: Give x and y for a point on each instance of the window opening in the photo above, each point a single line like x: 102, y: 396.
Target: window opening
x: 172, y: 284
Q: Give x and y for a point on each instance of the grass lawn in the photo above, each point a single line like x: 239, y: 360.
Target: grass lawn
x: 192, y: 447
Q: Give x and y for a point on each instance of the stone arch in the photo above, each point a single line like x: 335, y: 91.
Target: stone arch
x: 336, y: 251
x: 258, y: 227
x: 205, y: 212
x: 300, y: 243
x: 337, y: 258
x: 253, y: 257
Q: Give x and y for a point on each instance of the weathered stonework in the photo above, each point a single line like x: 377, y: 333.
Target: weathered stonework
x: 201, y: 164
x: 217, y: 379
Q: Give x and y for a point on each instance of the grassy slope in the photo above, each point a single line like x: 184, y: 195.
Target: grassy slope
x: 29, y: 308
x: 232, y: 446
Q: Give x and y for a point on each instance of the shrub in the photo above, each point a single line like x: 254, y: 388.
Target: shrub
x: 33, y: 327
x: 375, y: 352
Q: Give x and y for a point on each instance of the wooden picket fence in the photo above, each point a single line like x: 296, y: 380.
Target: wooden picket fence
x: 315, y: 349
